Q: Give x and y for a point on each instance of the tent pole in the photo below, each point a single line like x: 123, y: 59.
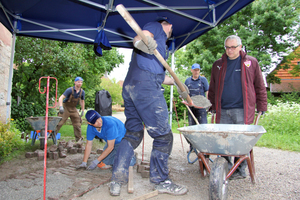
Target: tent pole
x: 8, y: 102
x: 171, y: 90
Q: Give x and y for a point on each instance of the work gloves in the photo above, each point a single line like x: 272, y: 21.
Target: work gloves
x: 61, y: 110
x: 93, y: 165
x: 149, y: 49
x: 185, y: 93
x: 81, y: 166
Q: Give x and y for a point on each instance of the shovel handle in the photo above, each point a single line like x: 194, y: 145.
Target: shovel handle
x: 132, y: 23
x: 192, y: 114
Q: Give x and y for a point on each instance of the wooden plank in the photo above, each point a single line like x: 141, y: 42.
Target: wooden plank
x: 130, y: 180
x: 147, y: 196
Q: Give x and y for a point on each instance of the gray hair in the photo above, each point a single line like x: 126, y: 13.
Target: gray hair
x: 234, y: 37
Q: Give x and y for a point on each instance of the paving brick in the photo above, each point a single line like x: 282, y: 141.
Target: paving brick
x: 145, y: 173
x: 50, y: 155
x: 29, y: 154
x: 40, y: 155
x: 35, y: 175
x: 145, y: 163
x: 55, y: 155
x: 73, y: 150
x: 140, y: 168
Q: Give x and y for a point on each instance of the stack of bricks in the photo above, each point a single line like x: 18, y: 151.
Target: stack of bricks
x: 144, y: 169
x: 54, y: 152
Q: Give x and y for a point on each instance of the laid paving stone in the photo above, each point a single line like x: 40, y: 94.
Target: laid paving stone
x: 35, y: 175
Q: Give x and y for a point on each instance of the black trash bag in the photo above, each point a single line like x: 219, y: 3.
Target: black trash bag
x: 103, y: 103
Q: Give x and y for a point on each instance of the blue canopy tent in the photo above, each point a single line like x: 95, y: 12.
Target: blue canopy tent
x: 81, y: 20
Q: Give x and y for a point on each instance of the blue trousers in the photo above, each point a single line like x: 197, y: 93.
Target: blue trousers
x: 110, y: 158
x: 200, y: 115
x: 234, y: 116
x: 144, y: 105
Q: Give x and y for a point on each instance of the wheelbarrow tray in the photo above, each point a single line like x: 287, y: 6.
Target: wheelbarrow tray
x: 38, y: 123
x: 227, y: 139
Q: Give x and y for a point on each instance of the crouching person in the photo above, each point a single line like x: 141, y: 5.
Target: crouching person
x: 108, y: 128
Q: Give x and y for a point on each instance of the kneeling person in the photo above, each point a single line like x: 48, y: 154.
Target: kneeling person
x: 108, y: 128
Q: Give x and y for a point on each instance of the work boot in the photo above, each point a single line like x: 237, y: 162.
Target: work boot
x: 115, y: 188
x: 169, y: 187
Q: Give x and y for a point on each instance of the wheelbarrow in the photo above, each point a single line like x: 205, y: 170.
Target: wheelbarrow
x: 38, y: 124
x: 223, y: 140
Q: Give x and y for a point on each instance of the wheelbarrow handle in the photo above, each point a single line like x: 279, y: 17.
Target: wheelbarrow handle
x: 257, y: 117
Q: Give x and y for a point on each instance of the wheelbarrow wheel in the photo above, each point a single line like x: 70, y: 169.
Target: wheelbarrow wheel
x: 217, y: 180
x: 42, y: 139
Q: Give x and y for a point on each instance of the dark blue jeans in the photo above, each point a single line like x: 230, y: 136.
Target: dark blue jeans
x: 144, y: 104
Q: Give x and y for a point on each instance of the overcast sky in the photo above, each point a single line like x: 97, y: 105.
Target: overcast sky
x: 120, y: 72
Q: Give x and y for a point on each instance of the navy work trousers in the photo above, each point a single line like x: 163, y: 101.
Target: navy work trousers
x: 144, y: 104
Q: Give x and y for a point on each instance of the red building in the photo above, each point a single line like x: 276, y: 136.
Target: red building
x: 289, y: 82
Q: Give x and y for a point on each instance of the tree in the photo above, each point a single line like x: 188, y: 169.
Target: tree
x: 268, y: 28
x: 37, y: 58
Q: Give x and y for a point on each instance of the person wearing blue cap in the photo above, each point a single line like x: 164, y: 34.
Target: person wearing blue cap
x: 145, y: 105
x: 67, y: 107
x: 108, y: 128
x: 197, y: 85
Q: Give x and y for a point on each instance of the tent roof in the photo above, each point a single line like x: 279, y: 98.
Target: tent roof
x: 80, y: 20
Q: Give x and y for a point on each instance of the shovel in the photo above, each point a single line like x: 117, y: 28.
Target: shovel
x: 132, y: 23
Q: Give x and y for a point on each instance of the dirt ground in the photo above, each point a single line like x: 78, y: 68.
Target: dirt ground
x: 277, y: 177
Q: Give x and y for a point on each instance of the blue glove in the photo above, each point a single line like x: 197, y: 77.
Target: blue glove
x: 82, y: 165
x: 61, y: 110
x: 93, y: 165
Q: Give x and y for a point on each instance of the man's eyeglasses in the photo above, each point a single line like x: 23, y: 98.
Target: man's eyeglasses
x: 232, y: 47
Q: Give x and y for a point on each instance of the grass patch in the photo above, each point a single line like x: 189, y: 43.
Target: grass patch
x: 282, y: 125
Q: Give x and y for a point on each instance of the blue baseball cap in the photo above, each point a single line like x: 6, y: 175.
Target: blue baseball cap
x: 159, y: 19
x: 92, y: 116
x: 196, y: 66
x: 78, y: 78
